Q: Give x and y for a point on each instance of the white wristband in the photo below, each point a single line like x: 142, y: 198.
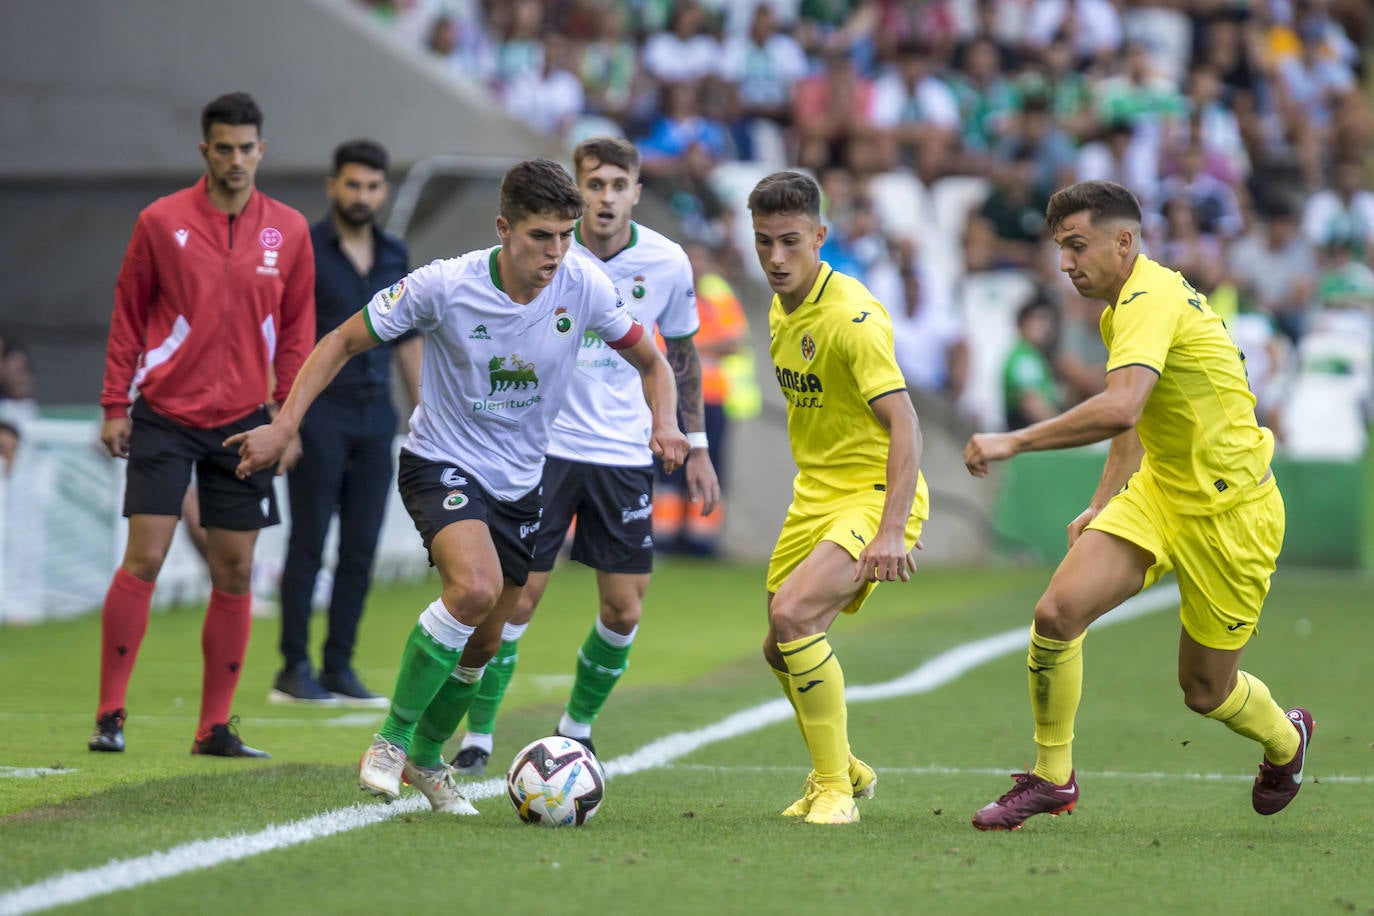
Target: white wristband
x: 697, y: 440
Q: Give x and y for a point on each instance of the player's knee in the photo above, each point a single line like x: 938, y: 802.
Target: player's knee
x: 143, y: 564
x: 472, y: 599
x: 621, y: 616
x: 1201, y: 696
x: 233, y: 575
x: 1054, y: 619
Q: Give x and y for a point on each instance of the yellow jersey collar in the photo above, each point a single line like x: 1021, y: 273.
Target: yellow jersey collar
x: 822, y: 278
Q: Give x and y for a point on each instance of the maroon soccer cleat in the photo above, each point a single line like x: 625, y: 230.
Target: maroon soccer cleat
x: 1031, y: 795
x: 1276, y: 785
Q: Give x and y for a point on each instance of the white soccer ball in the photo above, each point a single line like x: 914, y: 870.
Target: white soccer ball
x: 555, y: 782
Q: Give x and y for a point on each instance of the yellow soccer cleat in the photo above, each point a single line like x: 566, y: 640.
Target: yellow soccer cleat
x: 831, y: 806
x: 861, y: 776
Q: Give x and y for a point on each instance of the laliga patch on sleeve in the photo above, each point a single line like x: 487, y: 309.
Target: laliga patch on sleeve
x: 387, y: 300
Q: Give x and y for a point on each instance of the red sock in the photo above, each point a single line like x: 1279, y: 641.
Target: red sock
x: 223, y: 641
x: 123, y: 621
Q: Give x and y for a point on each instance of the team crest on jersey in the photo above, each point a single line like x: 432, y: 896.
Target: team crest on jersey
x: 518, y: 375
x: 270, y: 238
x: 808, y: 347
x: 456, y: 499
x: 387, y: 300
x: 639, y: 291
x: 562, y: 322
x: 479, y: 333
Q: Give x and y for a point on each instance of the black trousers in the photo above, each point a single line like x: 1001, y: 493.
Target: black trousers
x: 346, y: 466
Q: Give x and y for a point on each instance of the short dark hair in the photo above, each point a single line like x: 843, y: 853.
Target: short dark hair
x: 607, y: 151
x: 232, y: 108
x: 786, y: 192
x: 1037, y: 304
x: 539, y: 186
x: 1104, y: 200
x: 367, y: 153
x: 7, y: 427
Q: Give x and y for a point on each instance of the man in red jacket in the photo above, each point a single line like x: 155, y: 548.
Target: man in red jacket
x: 215, y: 303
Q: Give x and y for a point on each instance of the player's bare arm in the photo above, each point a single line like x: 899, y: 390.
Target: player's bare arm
x: 1122, y: 461
x: 264, y: 445
x: 1102, y: 416
x: 660, y: 391
x: 702, y: 484
x: 885, y: 558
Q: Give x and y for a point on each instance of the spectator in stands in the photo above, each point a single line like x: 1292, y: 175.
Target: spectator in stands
x: 1272, y: 267
x: 9, y: 445
x: 612, y: 79
x: 520, y: 52
x: 1213, y: 125
x: 1054, y: 75
x: 1030, y: 393
x: 926, y: 334
x: 1007, y: 229
x: 1095, y: 26
x: 1120, y: 154
x: 551, y: 99
x: 1034, y: 128
x: 675, y: 130
x: 1215, y: 205
x: 916, y: 113
x: 1191, y: 251
x: 187, y: 335
x: 1344, y: 212
x: 1080, y: 360
x: 829, y: 109
x: 986, y: 99
x: 463, y: 45
x: 1345, y: 289
x: 346, y: 440
x: 16, y: 382
x: 761, y: 67
x: 1138, y: 93
x: 687, y: 52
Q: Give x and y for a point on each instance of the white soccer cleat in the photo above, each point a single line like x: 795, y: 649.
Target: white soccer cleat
x: 379, y: 772
x: 436, y: 784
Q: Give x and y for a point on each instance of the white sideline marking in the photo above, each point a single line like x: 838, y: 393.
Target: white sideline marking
x: 1003, y: 771
x: 33, y: 772
x: 76, y: 886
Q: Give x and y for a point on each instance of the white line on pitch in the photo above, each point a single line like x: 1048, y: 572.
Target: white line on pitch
x: 76, y: 886
x: 1003, y: 771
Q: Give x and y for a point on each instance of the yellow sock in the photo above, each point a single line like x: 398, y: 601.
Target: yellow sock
x: 1056, y: 684
x: 817, y: 692
x: 785, y: 680
x: 1250, y: 710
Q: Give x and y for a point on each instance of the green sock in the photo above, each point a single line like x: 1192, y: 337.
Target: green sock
x: 441, y: 720
x: 482, y: 713
x: 599, y: 666
x: 425, y: 665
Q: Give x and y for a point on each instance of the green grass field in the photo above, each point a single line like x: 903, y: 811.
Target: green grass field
x: 1164, y: 824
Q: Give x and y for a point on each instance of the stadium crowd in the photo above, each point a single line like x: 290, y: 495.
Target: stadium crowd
x: 938, y: 130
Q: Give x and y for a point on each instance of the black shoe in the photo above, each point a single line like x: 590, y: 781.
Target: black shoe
x: 471, y: 761
x: 297, y: 685
x: 224, y: 741
x: 585, y: 742
x: 109, y: 732
x: 345, y: 687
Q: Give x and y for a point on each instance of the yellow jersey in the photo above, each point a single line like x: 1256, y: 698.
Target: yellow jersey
x: 832, y: 356
x: 1202, y: 442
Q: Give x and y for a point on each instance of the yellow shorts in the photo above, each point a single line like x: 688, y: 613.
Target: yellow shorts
x: 1223, y: 561
x: 850, y: 524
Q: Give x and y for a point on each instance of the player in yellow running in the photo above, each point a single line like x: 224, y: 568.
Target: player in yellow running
x: 1186, y: 486
x: 858, y: 498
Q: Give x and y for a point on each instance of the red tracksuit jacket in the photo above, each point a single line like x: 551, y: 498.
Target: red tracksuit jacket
x: 206, y: 304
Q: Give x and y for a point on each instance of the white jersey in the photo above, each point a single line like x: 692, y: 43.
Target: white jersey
x: 495, y: 372
x: 605, y: 419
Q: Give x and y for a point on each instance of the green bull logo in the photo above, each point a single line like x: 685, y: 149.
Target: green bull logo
x: 519, y: 375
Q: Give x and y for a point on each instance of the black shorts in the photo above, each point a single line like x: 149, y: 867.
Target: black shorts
x: 161, y: 453
x: 614, y: 510
x: 437, y: 495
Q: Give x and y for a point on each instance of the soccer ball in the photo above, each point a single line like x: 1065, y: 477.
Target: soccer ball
x: 555, y: 782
